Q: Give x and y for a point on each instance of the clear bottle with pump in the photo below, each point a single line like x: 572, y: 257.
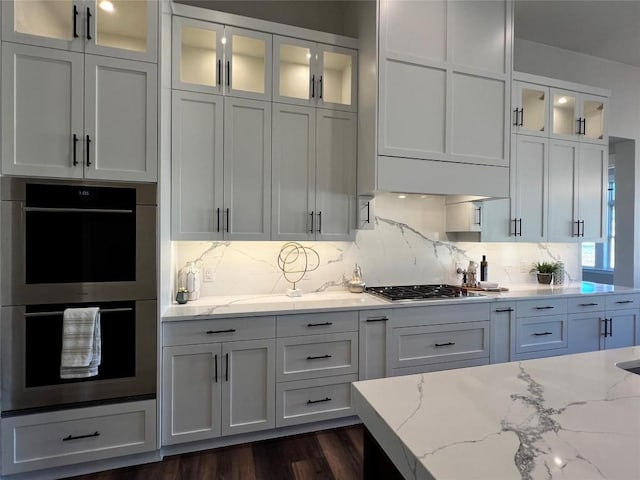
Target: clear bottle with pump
x: 484, y: 269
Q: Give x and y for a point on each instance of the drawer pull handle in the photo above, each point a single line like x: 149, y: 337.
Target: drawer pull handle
x: 625, y: 301
x: 319, y: 324
x: 544, y: 308
x: 377, y: 319
x: 325, y: 399
x: 500, y: 310
x: 588, y: 305
x: 542, y: 334
x: 318, y: 357
x: 79, y: 437
x: 213, y: 332
x: 445, y: 344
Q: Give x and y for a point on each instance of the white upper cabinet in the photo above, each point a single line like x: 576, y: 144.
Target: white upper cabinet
x: 576, y: 116
x: 530, y: 113
x: 119, y: 28
x: 307, y: 73
x: 69, y: 115
x: 444, y: 81
x: 213, y: 58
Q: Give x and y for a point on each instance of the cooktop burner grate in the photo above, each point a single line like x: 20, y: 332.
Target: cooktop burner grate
x: 417, y: 292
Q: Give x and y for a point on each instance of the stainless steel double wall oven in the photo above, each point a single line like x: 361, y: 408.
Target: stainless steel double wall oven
x: 79, y: 244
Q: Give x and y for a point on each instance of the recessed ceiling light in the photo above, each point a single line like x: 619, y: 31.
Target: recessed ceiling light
x: 107, y: 6
x: 224, y: 40
x: 402, y: 196
x: 562, y: 100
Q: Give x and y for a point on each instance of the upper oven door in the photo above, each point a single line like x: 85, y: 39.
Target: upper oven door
x: 76, y: 242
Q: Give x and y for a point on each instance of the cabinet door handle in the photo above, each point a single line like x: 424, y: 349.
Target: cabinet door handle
x: 584, y: 126
x: 542, y: 334
x: 78, y: 437
x: 320, y: 87
x: 313, y: 86
x: 88, y: 151
x: 319, y: 222
x: 521, y: 117
x: 226, y: 372
x: 500, y: 310
x: 376, y: 319
x: 368, y: 212
x: 544, y: 308
x: 577, y: 224
x: 611, y: 327
x: 625, y: 301
x: 582, y: 223
x: 75, y: 147
x: 579, y: 122
x: 478, y: 211
x: 318, y: 357
x: 218, y: 217
x: 587, y: 304
x: 319, y: 324
x: 213, y: 332
x: 75, y: 23
x: 228, y: 73
x: 88, y: 23
x: 219, y: 72
x: 215, y: 367
x: 228, y: 219
x: 516, y: 123
x: 312, y: 218
x: 311, y: 402
x: 515, y: 227
x: 520, y: 225
x: 445, y: 344
x: 606, y: 323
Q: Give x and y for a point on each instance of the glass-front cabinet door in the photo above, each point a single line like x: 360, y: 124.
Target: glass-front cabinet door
x: 565, y: 121
x: 197, y: 55
x: 530, y: 113
x: 119, y: 28
x: 294, y: 71
x: 337, y: 78
x: 247, y: 69
x: 594, y: 127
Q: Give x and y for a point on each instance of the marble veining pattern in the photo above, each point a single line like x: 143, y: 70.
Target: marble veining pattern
x: 570, y: 417
x: 409, y: 245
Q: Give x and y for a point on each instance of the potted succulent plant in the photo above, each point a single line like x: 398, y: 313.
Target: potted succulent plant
x: 545, y: 271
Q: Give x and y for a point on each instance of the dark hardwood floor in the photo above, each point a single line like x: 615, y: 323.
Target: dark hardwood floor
x: 324, y: 455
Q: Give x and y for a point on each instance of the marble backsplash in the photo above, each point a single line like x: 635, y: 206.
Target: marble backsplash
x: 407, y: 246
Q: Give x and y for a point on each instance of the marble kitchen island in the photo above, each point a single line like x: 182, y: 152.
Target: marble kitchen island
x: 567, y: 417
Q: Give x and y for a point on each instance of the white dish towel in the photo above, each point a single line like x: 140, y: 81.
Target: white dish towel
x: 81, y: 345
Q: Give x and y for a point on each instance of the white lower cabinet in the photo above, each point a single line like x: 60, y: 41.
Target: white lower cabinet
x: 374, y: 336
x: 222, y: 388
x: 503, y: 321
x: 54, y: 439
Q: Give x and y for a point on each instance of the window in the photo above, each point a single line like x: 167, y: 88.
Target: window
x: 602, y: 255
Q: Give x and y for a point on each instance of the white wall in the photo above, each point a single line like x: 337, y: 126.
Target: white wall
x: 624, y: 114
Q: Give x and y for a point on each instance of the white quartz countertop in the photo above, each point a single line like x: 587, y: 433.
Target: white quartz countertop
x: 280, y: 304
x: 568, y: 417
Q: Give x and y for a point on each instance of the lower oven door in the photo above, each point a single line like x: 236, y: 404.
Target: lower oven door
x: 31, y: 350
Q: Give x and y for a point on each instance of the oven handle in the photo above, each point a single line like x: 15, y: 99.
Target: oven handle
x: 105, y: 310
x: 75, y: 210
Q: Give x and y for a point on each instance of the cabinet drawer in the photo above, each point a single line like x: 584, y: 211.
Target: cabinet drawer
x: 313, y: 356
x: 622, y: 302
x: 316, y: 323
x: 438, y: 367
x: 439, y: 343
x: 535, y: 334
x: 313, y: 400
x: 189, y: 332
x: 71, y: 436
x: 586, y: 304
x: 540, y: 308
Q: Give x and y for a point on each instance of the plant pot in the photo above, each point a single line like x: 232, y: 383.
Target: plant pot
x: 182, y: 297
x: 545, y: 278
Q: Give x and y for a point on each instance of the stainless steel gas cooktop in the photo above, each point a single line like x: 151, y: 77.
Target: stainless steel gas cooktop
x: 409, y: 293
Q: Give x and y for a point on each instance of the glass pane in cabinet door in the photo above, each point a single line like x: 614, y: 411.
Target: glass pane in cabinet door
x: 198, y: 56
x: 247, y: 64
x: 44, y: 18
x: 533, y: 102
x: 593, y: 119
x: 564, y: 114
x: 122, y: 24
x: 294, y: 71
x: 336, y: 79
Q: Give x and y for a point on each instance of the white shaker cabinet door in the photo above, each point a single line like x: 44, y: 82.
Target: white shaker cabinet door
x: 191, y: 393
x: 294, y: 176
x: 42, y: 124
x: 592, y: 191
x: 335, y: 175
x: 248, y: 392
x: 121, y: 120
x: 196, y: 166
x: 247, y: 169
x: 563, y: 215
